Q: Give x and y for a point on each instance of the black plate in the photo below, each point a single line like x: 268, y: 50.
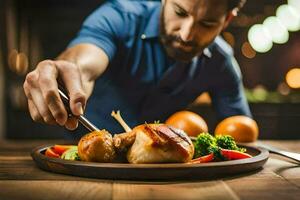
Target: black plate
x: 176, y: 171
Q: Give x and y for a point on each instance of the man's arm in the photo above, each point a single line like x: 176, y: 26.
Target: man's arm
x: 91, y: 61
x: 77, y: 68
x: 230, y: 102
x: 228, y: 96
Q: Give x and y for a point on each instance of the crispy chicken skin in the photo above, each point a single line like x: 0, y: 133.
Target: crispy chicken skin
x: 123, y: 141
x: 146, y: 143
x: 159, y: 143
x: 97, y: 146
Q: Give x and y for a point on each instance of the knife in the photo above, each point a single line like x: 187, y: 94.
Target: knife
x: 291, y: 155
x: 81, y: 118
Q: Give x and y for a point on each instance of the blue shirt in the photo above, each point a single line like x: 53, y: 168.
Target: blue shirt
x: 142, y: 81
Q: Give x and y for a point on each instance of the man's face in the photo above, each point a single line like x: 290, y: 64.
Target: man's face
x: 189, y: 26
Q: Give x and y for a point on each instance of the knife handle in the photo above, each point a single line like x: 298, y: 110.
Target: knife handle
x: 83, y: 120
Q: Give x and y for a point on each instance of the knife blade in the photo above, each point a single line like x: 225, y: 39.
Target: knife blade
x: 271, y: 149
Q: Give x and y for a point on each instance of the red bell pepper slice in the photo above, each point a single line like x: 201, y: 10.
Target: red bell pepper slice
x: 203, y: 159
x: 60, y: 149
x: 234, y: 155
x: 50, y: 153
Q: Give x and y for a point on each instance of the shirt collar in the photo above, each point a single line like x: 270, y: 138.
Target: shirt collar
x: 207, y: 52
x: 152, y: 28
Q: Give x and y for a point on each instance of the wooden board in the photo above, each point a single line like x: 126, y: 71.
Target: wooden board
x: 176, y: 171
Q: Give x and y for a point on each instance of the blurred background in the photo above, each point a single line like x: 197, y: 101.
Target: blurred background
x: 265, y: 37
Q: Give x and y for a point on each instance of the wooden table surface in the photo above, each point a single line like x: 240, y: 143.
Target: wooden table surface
x: 21, y: 179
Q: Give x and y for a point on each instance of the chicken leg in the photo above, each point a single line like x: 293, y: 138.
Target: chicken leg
x: 153, y: 143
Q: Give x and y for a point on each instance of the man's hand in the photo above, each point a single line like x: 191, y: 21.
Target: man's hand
x: 41, y: 89
x: 77, y: 68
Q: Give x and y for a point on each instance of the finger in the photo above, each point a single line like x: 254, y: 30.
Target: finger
x: 33, y: 93
x: 72, y: 123
x: 34, y: 113
x: 30, y: 82
x: 71, y: 77
x: 41, y: 106
x: 49, y: 89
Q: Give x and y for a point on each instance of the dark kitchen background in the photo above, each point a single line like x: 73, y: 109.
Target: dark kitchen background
x: 34, y: 30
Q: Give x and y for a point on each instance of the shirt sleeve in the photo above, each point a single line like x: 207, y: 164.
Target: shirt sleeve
x: 103, y: 28
x: 228, y: 96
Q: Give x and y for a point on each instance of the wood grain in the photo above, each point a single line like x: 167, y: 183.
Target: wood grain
x: 37, y: 190
x: 197, y: 190
x: 21, y: 179
x: 275, y: 188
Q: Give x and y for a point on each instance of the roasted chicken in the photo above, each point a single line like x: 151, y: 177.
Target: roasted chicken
x: 153, y: 143
x: 97, y: 146
x: 159, y: 143
x: 147, y: 143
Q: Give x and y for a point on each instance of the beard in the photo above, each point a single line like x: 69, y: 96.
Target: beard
x: 178, y: 51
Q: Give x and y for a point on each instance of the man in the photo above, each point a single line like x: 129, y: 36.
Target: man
x: 147, y: 59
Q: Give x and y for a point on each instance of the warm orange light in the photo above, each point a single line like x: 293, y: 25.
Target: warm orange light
x: 18, y: 62
x: 204, y: 98
x: 229, y: 38
x: 12, y: 57
x: 247, y: 50
x: 283, y: 89
x: 293, y: 78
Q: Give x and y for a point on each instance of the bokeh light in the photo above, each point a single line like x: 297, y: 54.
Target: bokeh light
x: 277, y: 30
x: 247, y: 50
x: 293, y: 78
x: 260, y: 38
x: 289, y: 17
x: 21, y: 64
x: 229, y: 38
x: 283, y: 89
x: 295, y: 4
x: 260, y: 93
x: 12, y: 57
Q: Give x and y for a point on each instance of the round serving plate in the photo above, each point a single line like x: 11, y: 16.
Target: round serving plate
x: 163, y: 171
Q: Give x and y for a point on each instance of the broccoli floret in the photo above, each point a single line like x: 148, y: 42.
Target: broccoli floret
x: 202, y: 144
x: 216, y: 150
x: 206, y: 144
x: 227, y: 142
